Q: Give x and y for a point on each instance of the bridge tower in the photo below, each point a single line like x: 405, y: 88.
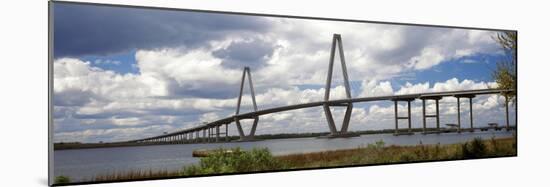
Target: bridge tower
x: 243, y: 136
x: 337, y: 42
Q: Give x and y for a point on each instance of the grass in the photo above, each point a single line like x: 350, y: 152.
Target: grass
x: 62, y: 180
x: 379, y: 154
x: 239, y: 161
x: 133, y: 175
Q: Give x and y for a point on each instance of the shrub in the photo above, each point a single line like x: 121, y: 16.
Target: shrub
x: 407, y: 157
x: 237, y: 161
x: 62, y: 179
x: 377, y: 145
x: 474, y: 149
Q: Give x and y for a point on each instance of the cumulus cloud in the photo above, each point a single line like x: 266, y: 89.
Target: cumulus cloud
x: 194, y: 74
x: 253, y: 53
x: 374, y: 88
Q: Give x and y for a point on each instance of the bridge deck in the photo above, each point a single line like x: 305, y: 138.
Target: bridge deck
x: 231, y: 119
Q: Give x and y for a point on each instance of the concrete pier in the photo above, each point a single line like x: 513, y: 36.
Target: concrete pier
x: 343, y: 132
x: 507, y: 113
x: 227, y: 132
x: 425, y: 116
x: 470, y: 97
x: 408, y: 117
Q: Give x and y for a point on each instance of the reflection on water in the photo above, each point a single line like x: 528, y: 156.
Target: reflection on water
x: 84, y: 164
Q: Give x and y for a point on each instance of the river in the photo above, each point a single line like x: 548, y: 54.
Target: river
x: 84, y: 164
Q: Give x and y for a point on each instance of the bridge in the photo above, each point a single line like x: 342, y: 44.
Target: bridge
x: 212, y: 131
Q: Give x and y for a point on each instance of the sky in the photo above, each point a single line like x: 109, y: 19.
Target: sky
x: 125, y: 73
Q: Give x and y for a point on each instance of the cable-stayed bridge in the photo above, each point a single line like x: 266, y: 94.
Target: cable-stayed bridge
x: 212, y: 131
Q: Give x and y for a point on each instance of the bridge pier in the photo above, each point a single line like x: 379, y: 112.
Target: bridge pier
x: 343, y: 132
x: 227, y: 132
x: 242, y: 135
x: 471, y: 115
x: 204, y: 136
x: 458, y: 113
x: 217, y: 133
x: 408, y: 117
x: 506, y: 97
x: 197, y: 138
x: 424, y: 115
x: 470, y: 97
x: 212, y: 136
x: 209, y: 134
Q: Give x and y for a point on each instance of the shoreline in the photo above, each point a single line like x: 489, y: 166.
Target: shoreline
x: 233, y: 139
x: 370, y: 154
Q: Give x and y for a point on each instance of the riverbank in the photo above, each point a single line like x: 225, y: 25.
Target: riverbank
x: 372, y: 154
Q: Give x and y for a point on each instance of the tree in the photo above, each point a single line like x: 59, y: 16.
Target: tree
x: 505, y: 73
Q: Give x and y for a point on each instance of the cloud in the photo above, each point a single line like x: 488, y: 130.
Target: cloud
x: 106, y: 118
x: 450, y: 85
x: 196, y: 73
x: 468, y: 61
x: 252, y: 53
x: 375, y: 88
x: 102, y: 30
x: 113, y: 62
x: 188, y: 67
x: 427, y: 58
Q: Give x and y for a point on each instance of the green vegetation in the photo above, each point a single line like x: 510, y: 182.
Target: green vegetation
x: 377, y: 153
x: 505, y: 74
x: 133, y: 175
x: 239, y: 161
x: 380, y: 154
x: 62, y: 180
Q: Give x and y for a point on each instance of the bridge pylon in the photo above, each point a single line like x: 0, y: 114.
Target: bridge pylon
x: 243, y: 136
x: 334, y: 132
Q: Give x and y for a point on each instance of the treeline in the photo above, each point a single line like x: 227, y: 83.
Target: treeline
x: 79, y: 145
